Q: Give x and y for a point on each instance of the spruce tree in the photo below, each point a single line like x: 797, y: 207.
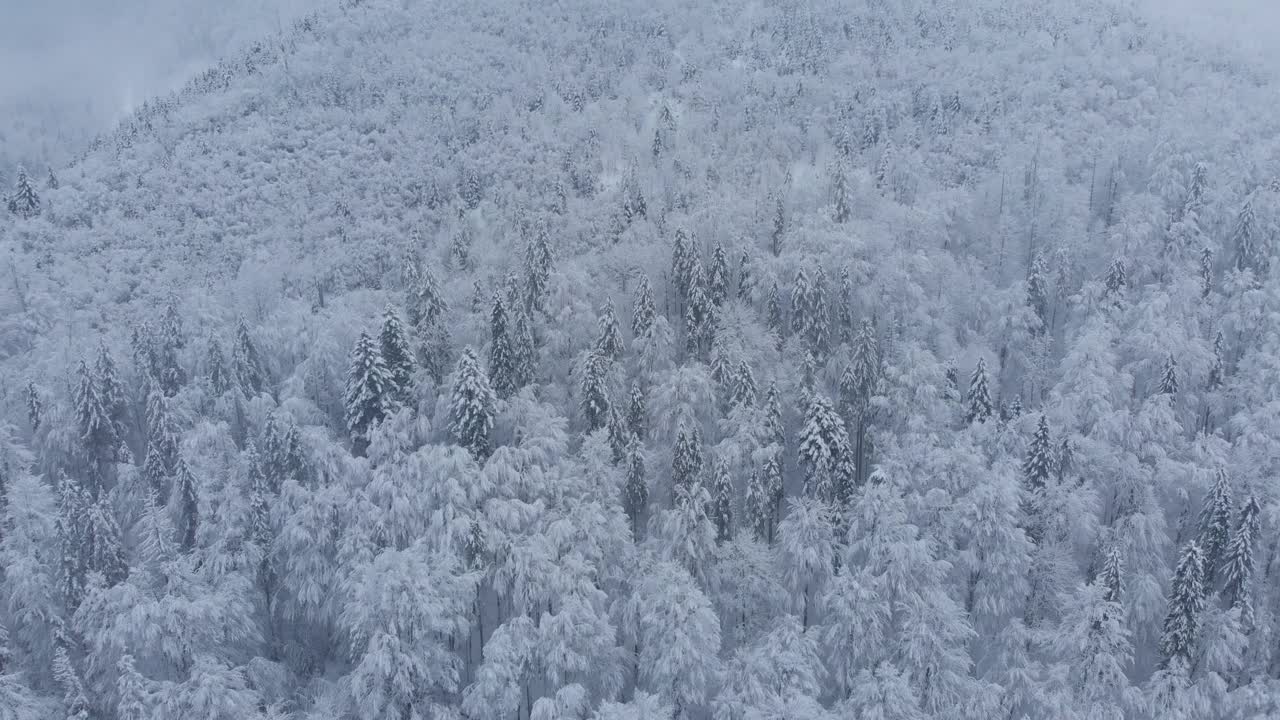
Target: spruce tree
x: 131, y: 688
x: 111, y: 390
x: 1215, y: 526
x: 718, y: 276
x: 525, y: 349
x: 1038, y: 465
x: 247, y: 365
x: 745, y: 281
x: 220, y: 379
x: 593, y: 392
x: 978, y: 405
x: 188, y: 506
x: 699, y: 319
x: 801, y: 291
x: 1206, y: 272
x: 424, y: 304
x: 743, y: 389
x: 97, y: 432
x: 1116, y: 280
x: 1237, y: 567
x: 74, y: 541
x: 162, y: 434
x: 283, y: 459
x: 686, y: 463
x: 75, y: 699
x: 609, y: 343
x: 1186, y: 600
x: 502, y: 356
x: 643, y: 311
x: 538, y: 265
x: 722, y: 500
x: 471, y: 407
x: 773, y: 313
x: 396, y: 355
x: 683, y: 259
x: 840, y: 196
x: 844, y: 309
x: 773, y: 416
x: 260, y: 494
x: 156, y: 475
x: 1038, y: 293
x: 369, y: 392
x: 778, y: 236
x: 1217, y: 369
x: 1244, y: 240
x: 25, y: 201
x: 107, y: 545
x: 1111, y: 578
x: 1169, y: 378
x: 637, y: 414
x: 771, y: 479
x: 759, y: 505
x: 952, y: 375
x: 636, y: 488
x: 823, y: 440
x: 35, y: 407
x: 619, y: 436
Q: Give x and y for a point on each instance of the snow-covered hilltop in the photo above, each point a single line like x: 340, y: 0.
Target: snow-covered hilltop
x: 871, y: 359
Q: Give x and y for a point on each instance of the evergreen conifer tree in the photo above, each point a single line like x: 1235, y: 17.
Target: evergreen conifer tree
x: 1111, y: 578
x: 594, y: 397
x: 471, y: 407
x: 722, y: 501
x: 683, y: 260
x: 699, y: 319
x: 396, y: 354
x: 823, y: 440
x: 718, y: 276
x: 1038, y: 465
x: 773, y: 312
x: 502, y: 356
x: 743, y: 389
x: 538, y: 265
x: 686, y: 463
x: 1238, y: 564
x: 1186, y: 600
x: 369, y: 392
x: 220, y: 379
x: 745, y: 280
x: 25, y: 201
x: 1169, y: 378
x: 246, y: 362
x: 35, y: 406
x: 188, y: 495
x: 609, y: 343
x: 978, y: 405
x: 637, y: 415
x: 643, y: 311
x: 1215, y: 526
x: 636, y: 489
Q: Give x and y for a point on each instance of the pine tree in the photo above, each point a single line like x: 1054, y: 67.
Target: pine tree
x: 471, y: 407
x: 283, y: 459
x: 699, y: 319
x: 1215, y: 526
x: 745, y: 281
x: 759, y: 505
x: 424, y: 304
x: 97, y: 431
x: 801, y: 293
x: 952, y: 375
x: 722, y: 501
x: 107, y: 556
x: 718, y: 276
x: 743, y: 391
x: 840, y: 196
x: 396, y: 355
x: 156, y: 475
x: 245, y: 360
x: 1116, y: 279
x: 52, y: 181
x: 844, y: 308
x: 823, y: 441
x: 643, y: 311
x: 1217, y: 369
x: 35, y: 407
x: 636, y: 489
x: 1206, y: 272
x: 538, y: 265
x: 1238, y: 564
x: 773, y: 313
x: 1244, y: 241
x: 369, y: 393
x: 74, y: 697
x: 220, y: 379
x: 188, y: 506
x: 773, y: 416
x: 1169, y: 378
x: 132, y: 691
x: 1186, y: 600
x: 619, y: 436
x: 111, y: 390
x: 686, y: 463
x: 778, y: 236
x: 259, y: 502
x: 162, y: 435
x: 1038, y: 465
x: 25, y: 201
x: 858, y: 383
x: 171, y: 340
x: 1038, y: 292
x: 502, y: 360
x: 594, y: 397
x: 74, y: 541
x: 683, y: 260
x: 525, y: 349
x: 1111, y: 577
x: 637, y: 415
x: 978, y: 405
x: 609, y: 343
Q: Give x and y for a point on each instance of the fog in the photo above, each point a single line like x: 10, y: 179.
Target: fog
x: 71, y: 68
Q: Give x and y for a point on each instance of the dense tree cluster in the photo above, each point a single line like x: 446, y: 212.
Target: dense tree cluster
x: 804, y: 361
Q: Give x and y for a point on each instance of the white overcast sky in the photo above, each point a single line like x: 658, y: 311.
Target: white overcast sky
x: 78, y: 65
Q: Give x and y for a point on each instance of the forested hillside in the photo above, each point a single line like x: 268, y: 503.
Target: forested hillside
x: 495, y: 359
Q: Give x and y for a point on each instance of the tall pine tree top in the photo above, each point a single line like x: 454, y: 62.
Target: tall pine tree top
x: 643, y: 311
x: 396, y: 354
x: 1038, y: 465
x: 25, y: 201
x: 978, y: 405
x: 1186, y: 600
x: 1215, y: 525
x: 471, y: 406
x: 1238, y: 565
x: 369, y: 393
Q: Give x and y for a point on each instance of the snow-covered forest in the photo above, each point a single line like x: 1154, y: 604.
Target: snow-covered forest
x: 729, y: 360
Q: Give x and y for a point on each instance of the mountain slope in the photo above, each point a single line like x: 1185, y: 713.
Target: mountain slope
x: 960, y: 329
